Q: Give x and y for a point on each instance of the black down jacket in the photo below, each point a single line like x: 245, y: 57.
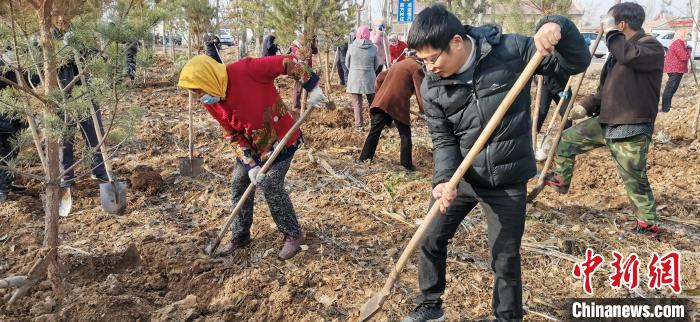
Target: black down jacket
x: 458, y: 107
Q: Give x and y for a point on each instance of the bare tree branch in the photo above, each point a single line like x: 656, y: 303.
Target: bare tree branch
x: 22, y: 173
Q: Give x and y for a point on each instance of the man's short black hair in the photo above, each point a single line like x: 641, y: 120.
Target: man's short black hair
x: 629, y: 12
x: 434, y: 27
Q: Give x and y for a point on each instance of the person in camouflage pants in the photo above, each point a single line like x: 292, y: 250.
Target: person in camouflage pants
x: 623, y: 111
x: 630, y: 155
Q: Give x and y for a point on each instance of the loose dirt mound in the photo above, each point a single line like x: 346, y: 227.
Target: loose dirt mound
x: 357, y: 217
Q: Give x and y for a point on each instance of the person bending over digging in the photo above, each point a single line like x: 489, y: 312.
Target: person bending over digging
x: 242, y: 97
x: 624, y: 110
x: 469, y: 72
x: 392, y: 103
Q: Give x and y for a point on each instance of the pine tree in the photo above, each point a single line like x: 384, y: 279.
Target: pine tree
x: 249, y: 14
x: 49, y: 101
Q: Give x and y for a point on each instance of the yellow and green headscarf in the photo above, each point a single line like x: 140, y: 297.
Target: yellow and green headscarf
x: 204, y: 73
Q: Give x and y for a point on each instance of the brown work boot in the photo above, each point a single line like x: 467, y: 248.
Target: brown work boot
x: 291, y: 247
x: 233, y: 245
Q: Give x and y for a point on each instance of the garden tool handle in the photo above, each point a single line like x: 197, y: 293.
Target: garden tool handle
x: 481, y: 141
x: 190, y: 132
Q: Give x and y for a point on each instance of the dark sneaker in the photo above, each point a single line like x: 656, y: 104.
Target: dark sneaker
x: 648, y: 230
x: 555, y: 181
x: 426, y: 313
x: 233, y: 245
x: 291, y: 247
x: 409, y: 168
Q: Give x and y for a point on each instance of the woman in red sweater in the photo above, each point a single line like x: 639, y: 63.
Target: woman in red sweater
x: 242, y: 97
x: 675, y: 65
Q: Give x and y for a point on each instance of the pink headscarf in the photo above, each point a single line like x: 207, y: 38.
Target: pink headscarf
x: 362, y: 32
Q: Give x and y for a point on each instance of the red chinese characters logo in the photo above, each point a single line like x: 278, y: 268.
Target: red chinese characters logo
x: 626, y: 272
x: 662, y: 270
x: 585, y: 269
x: 665, y: 271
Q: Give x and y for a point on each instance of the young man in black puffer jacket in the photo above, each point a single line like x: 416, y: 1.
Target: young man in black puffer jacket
x: 469, y: 71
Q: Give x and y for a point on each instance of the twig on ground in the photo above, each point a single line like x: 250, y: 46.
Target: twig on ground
x: 544, y: 315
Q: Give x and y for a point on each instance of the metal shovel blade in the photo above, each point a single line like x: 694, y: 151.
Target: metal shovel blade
x: 190, y: 167
x: 66, y: 203
x: 113, y: 197
x: 372, y: 306
x: 210, y: 248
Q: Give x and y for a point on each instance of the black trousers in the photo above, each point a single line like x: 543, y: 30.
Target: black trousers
x: 674, y: 80
x: 546, y: 100
x: 6, y: 155
x: 504, y: 209
x: 342, y: 71
x: 379, y: 120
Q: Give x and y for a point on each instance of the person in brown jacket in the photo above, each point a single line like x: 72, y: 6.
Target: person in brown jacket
x: 392, y: 103
x: 624, y: 110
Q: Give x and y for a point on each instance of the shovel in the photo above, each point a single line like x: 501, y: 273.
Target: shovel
x: 540, y: 155
x: 550, y: 155
x: 211, y: 248
x: 375, y: 303
x: 112, y: 193
x: 190, y: 166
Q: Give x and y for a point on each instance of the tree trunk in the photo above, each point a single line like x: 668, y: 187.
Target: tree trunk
x: 163, y: 40
x: 695, y: 135
x: 53, y: 190
x: 328, y: 75
x: 217, y: 18
x: 172, y: 43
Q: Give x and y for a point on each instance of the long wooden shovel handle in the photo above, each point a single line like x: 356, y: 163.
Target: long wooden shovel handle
x: 251, y: 187
x: 481, y: 141
x: 190, y: 131
x: 536, y: 112
x: 550, y: 155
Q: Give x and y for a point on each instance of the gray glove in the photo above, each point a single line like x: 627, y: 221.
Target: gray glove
x: 254, y: 175
x: 316, y: 96
x: 608, y: 24
x: 577, y: 112
x: 68, y: 38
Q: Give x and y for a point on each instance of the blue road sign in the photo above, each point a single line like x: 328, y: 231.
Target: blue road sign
x: 405, y: 11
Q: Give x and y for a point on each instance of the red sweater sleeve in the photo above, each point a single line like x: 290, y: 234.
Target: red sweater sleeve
x: 679, y: 50
x: 266, y: 69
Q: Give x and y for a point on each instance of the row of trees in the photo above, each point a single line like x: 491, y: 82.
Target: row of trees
x: 508, y: 13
